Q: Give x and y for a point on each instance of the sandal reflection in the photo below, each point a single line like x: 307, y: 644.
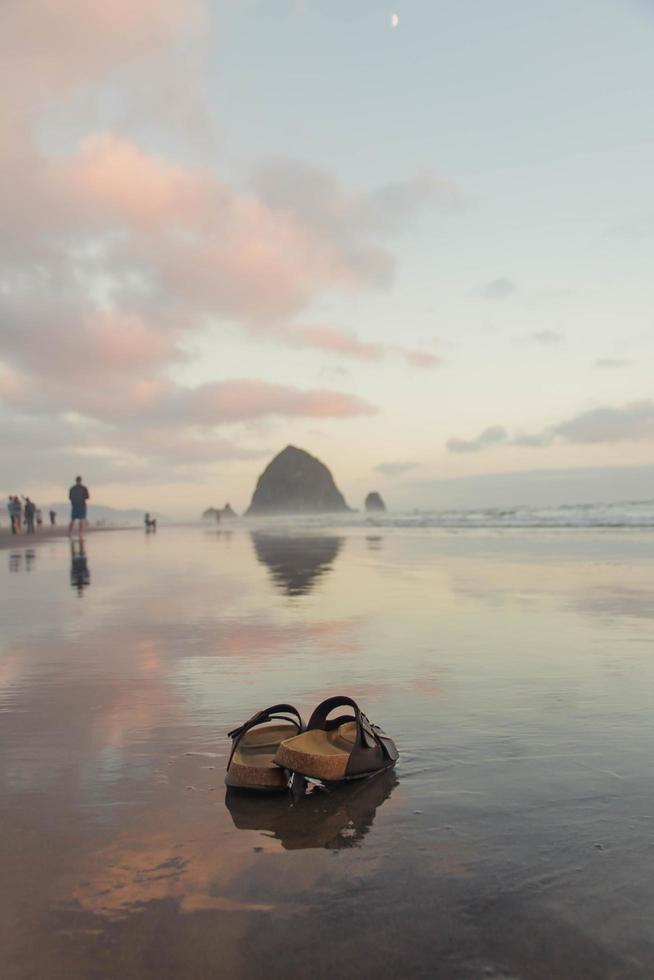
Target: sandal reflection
x: 331, y: 817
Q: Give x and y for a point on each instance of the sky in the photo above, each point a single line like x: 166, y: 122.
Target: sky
x: 412, y: 238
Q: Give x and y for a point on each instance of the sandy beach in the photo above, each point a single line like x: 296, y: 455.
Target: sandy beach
x: 513, y: 839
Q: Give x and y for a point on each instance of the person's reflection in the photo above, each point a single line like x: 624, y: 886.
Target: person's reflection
x: 80, y: 576
x: 333, y: 818
x: 16, y: 560
x: 296, y: 562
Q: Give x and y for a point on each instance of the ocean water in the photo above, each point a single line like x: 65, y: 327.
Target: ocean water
x: 513, y: 666
x: 632, y: 513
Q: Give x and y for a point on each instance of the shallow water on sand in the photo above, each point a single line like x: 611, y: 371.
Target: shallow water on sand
x: 514, y: 839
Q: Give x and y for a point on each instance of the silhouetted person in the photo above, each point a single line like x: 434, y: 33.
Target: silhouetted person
x: 30, y: 511
x: 80, y: 576
x: 78, y: 495
x: 39, y: 517
x: 53, y: 517
x: 150, y: 523
x: 10, y: 511
x: 15, y: 514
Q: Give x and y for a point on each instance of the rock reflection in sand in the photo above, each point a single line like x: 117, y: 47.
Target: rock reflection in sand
x: 296, y: 562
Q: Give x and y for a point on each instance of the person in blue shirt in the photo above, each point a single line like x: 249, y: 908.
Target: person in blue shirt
x: 15, y: 514
x: 78, y: 495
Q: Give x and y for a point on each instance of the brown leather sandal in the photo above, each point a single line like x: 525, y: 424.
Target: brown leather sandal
x: 338, y: 748
x: 250, y: 764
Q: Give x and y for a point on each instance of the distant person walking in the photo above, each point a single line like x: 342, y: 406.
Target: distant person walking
x: 10, y: 511
x: 53, y: 517
x: 15, y: 514
x: 30, y: 512
x: 78, y: 495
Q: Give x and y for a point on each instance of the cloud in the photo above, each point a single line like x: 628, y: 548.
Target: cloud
x: 244, y: 399
x: 211, y: 404
x: 114, y: 256
x: 498, y: 289
x: 611, y: 362
x: 494, y: 435
x: 54, y: 47
x: 335, y: 340
x: 420, y: 358
x: 345, y: 343
x: 546, y: 337
x: 633, y: 422
x: 352, y: 222
x: 166, y: 434
x: 395, y: 468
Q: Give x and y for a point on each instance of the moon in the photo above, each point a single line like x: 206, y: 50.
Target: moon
x: 395, y: 20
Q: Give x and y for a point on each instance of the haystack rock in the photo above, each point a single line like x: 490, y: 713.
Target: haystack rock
x: 295, y: 482
x: 374, y: 501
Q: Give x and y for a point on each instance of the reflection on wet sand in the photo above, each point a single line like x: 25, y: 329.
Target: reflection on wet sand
x: 334, y: 817
x: 80, y: 576
x: 21, y: 560
x: 296, y: 563
x: 515, y: 672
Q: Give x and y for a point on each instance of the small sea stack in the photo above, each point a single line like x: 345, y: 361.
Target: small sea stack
x: 374, y: 502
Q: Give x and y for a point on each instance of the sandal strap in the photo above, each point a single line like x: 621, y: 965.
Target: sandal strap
x: 368, y: 735
x: 277, y: 712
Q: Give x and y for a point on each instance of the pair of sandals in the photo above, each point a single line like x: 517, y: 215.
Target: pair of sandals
x: 275, y: 743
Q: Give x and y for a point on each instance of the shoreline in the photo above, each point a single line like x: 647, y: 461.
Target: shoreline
x: 23, y: 540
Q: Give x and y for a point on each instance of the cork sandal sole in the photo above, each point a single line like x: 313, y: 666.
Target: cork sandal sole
x: 252, y: 765
x: 319, y: 754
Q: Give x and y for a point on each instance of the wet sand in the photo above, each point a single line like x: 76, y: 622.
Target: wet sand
x: 514, y: 839
x: 47, y: 533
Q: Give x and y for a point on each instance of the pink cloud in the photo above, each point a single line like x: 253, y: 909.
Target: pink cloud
x: 113, y: 256
x: 13, y: 391
x: 221, y: 401
x: 338, y: 341
x: 421, y: 358
x: 145, y: 401
x: 56, y: 46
